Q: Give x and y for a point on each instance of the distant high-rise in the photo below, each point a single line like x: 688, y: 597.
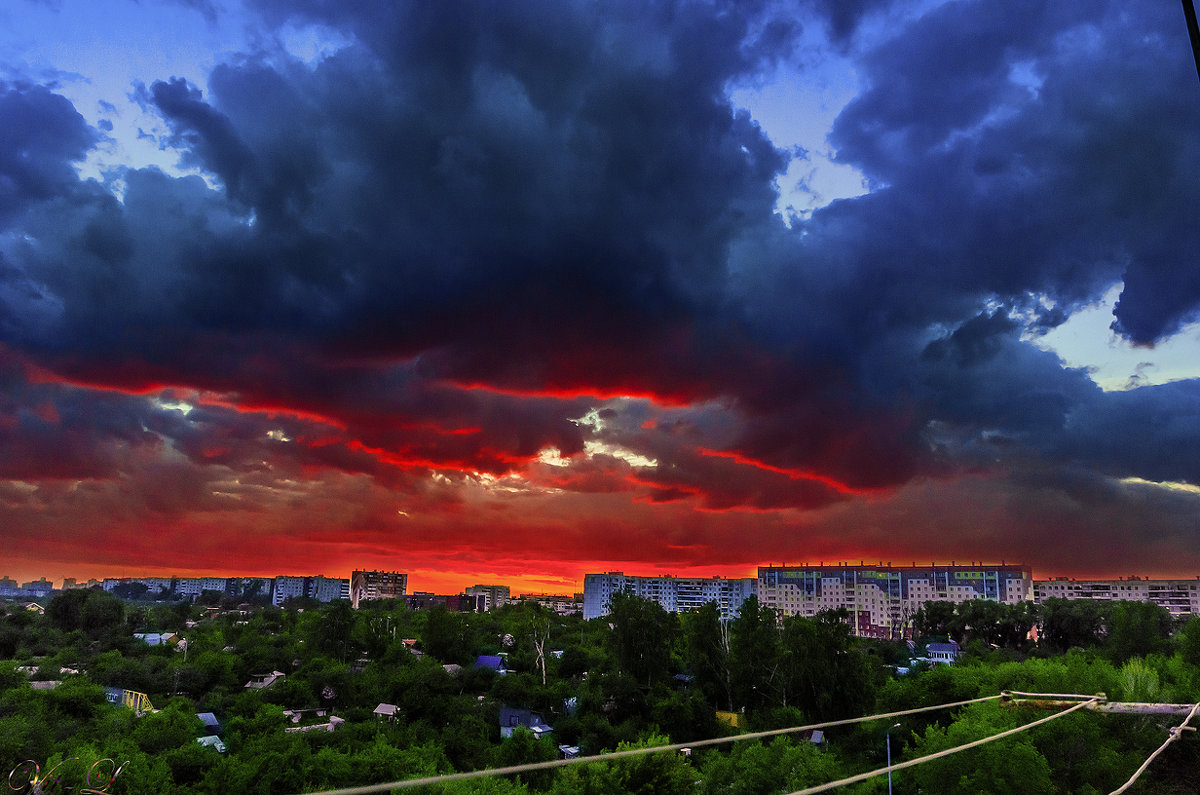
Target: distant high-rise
x: 377, y: 585
x: 881, y: 599
x: 494, y: 596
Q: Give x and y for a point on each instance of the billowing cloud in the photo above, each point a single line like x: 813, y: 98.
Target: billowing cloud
x: 469, y: 289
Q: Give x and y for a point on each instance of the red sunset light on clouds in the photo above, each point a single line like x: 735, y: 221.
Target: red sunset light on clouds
x: 521, y: 306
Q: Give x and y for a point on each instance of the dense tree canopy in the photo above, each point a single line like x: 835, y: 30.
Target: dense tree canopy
x: 636, y: 678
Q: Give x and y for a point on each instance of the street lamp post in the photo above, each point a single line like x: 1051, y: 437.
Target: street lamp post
x: 888, y: 741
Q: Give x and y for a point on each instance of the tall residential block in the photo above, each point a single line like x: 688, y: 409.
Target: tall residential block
x: 882, y: 599
x: 673, y: 594
x: 377, y: 585
x: 1180, y: 597
x: 323, y: 589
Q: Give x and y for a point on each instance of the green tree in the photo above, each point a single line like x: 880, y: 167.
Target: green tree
x: 708, y: 654
x: 1067, y: 623
x: 936, y: 619
x: 94, y: 612
x: 445, y: 636
x: 65, y: 610
x: 1137, y: 629
x: 174, y: 726
x: 661, y: 773
x: 1188, y: 640
x: 822, y: 672
x: 994, y: 624
x: 781, y: 765
x: 1012, y: 765
x: 755, y: 655
x: 642, y: 637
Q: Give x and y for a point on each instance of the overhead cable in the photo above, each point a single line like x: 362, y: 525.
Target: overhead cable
x: 1174, y: 734
x: 556, y: 763
x: 947, y: 752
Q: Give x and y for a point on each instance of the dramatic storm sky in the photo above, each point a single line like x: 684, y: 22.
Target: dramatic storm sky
x: 511, y: 291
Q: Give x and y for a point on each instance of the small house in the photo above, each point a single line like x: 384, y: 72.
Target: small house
x: 511, y: 718
x: 211, y: 725
x: 212, y: 741
x: 261, y: 681
x: 491, y: 662
x: 942, y: 652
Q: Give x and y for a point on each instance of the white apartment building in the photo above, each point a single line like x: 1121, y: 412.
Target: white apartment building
x: 287, y: 588
x: 155, y: 586
x: 673, y: 594
x: 882, y: 599
x: 326, y: 589
x: 1180, y: 597
x: 377, y: 585
x: 188, y: 586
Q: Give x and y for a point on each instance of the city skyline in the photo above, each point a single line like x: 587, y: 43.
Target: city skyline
x: 292, y: 286
x: 442, y: 581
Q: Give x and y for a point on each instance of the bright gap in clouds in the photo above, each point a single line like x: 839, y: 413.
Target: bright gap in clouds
x: 101, y: 52
x: 1087, y: 341
x: 1169, y: 485
x: 796, y: 107
x: 97, y: 54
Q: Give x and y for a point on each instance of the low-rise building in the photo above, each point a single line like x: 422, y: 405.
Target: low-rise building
x: 938, y: 652
x: 491, y: 662
x: 511, y: 718
x: 560, y: 604
x: 455, y: 603
x: 263, y: 681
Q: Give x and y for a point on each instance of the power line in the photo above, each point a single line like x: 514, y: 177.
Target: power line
x: 1174, y: 734
x: 946, y: 752
x: 556, y: 763
x: 1040, y: 700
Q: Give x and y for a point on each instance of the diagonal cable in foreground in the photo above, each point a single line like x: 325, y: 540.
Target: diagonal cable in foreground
x: 946, y: 752
x: 1173, y: 735
x: 534, y: 766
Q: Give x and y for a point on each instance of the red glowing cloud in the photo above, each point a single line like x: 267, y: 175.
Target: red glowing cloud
x: 526, y: 306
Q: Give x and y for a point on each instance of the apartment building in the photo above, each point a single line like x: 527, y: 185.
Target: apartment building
x: 194, y: 586
x: 1180, y: 597
x: 494, y: 596
x: 377, y: 585
x: 561, y: 604
x: 673, y: 594
x: 881, y: 599
x: 323, y: 589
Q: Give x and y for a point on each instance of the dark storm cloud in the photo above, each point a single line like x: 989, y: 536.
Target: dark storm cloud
x: 1032, y: 147
x: 844, y: 16
x: 206, y: 136
x: 466, y: 196
x: 41, y: 135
